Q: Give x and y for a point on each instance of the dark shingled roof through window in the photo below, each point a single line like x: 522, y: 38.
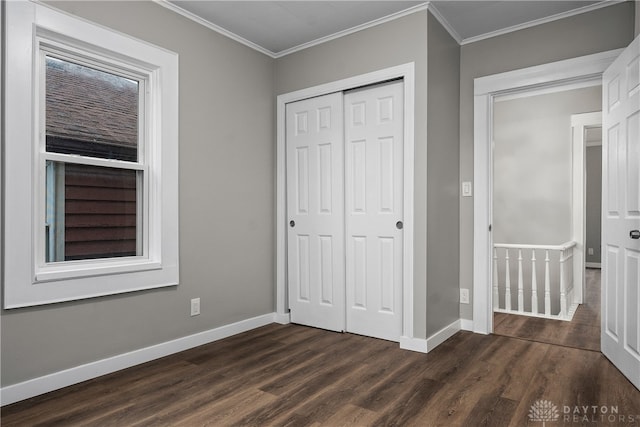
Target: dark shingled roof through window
x: 90, y: 111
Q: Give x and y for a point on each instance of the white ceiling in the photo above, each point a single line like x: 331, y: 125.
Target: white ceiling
x: 281, y: 27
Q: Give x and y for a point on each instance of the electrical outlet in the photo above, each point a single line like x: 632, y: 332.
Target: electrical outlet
x: 590, y: 251
x: 195, y: 306
x: 464, y: 296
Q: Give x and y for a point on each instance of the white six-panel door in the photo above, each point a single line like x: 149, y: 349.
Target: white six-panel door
x: 620, y: 334
x: 315, y: 208
x: 357, y: 185
x: 374, y: 210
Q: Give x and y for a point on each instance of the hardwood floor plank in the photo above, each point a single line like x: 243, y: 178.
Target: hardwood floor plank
x: 582, y: 332
x: 298, y: 376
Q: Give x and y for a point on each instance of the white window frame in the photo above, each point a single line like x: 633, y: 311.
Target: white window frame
x: 31, y: 30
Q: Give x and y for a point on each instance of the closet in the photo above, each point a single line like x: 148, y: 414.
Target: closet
x: 344, y: 169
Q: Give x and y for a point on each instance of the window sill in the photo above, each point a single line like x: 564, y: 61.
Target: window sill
x: 69, y: 270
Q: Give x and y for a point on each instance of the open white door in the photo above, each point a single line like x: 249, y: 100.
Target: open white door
x: 620, y: 336
x: 315, y: 211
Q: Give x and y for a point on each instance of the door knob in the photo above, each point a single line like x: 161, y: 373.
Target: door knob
x: 292, y: 223
x: 634, y: 234
x: 399, y: 225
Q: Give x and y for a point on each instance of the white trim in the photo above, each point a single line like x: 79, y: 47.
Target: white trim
x: 413, y: 344
x: 443, y: 334
x: 34, y: 387
x: 177, y: 9
x: 559, y: 73
x: 283, y: 319
x: 366, y: 25
x: 541, y: 21
x: 442, y: 20
x: 579, y: 123
x: 485, y: 89
x: 547, y: 90
x: 593, y: 264
x: 466, y: 325
x: 28, y: 23
x: 210, y: 25
x: 404, y: 71
x: 593, y: 144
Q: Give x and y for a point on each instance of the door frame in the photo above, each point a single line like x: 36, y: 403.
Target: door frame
x: 407, y: 73
x: 583, y: 70
x: 579, y: 124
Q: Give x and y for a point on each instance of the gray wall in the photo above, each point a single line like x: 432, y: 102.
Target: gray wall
x: 227, y: 165
x: 443, y: 204
x: 593, y: 203
x: 397, y: 42
x: 408, y: 39
x: 532, y: 164
x: 637, y: 32
x: 597, y: 31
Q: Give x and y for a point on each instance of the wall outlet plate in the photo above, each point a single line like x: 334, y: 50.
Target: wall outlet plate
x: 464, y: 296
x: 195, y: 306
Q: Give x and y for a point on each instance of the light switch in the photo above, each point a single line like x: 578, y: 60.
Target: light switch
x: 466, y: 189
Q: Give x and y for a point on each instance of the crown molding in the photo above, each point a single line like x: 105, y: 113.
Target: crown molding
x: 556, y: 17
x: 427, y: 5
x: 375, y: 22
x: 214, y: 27
x: 447, y: 26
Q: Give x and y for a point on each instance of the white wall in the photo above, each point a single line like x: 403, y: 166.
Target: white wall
x: 532, y: 188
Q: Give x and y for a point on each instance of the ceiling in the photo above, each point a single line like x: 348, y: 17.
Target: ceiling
x: 281, y: 27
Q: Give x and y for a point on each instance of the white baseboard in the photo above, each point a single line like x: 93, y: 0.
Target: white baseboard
x: 413, y: 344
x: 283, y: 319
x: 426, y: 345
x: 34, y: 387
x: 466, y: 325
x: 593, y: 264
x: 442, y: 335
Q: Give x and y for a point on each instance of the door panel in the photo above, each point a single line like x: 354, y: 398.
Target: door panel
x: 621, y: 213
x: 374, y: 191
x: 315, y: 205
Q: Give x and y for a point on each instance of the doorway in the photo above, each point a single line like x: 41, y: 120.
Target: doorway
x: 579, y: 71
x: 539, y: 159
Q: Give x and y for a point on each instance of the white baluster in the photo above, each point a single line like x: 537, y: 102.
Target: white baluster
x: 534, y: 284
x: 496, y: 295
x: 520, y: 283
x: 547, y: 285
x: 563, y: 285
x: 507, y: 294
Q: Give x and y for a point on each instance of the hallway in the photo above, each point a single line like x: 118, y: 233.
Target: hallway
x: 582, y: 332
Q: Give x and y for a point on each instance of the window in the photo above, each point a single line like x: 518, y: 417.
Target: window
x: 91, y: 152
x: 91, y: 115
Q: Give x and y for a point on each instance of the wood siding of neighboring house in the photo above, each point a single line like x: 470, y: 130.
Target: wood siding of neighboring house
x: 100, y: 212
x: 95, y: 114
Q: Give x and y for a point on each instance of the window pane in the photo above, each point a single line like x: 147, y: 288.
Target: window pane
x: 90, y: 112
x: 91, y: 212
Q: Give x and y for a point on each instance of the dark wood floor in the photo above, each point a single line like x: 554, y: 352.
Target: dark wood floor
x: 582, y: 332
x: 291, y: 375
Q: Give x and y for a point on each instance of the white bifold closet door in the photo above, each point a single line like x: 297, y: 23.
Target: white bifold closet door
x: 345, y: 211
